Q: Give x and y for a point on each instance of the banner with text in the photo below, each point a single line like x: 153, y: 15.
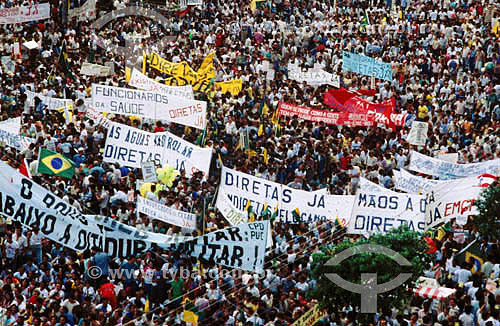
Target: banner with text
x: 227, y: 209
x: 166, y: 214
x: 412, y: 184
x: 84, y: 12
x: 242, y: 246
x: 141, y: 81
x: 367, y: 66
x: 418, y: 133
x: 151, y: 105
x: 379, y: 212
x: 234, y: 87
x: 91, y: 69
x: 18, y: 142
x: 314, y: 77
x: 446, y: 170
x: 51, y: 103
x: 12, y: 126
x: 17, y: 15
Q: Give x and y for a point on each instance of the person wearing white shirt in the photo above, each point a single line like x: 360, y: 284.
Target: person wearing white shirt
x: 463, y: 275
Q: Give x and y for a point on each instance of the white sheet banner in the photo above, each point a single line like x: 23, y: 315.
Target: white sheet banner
x: 52, y: 103
x: 418, y: 133
x: 227, y: 209
x: 151, y: 105
x: 84, y: 12
x: 446, y: 170
x: 91, y: 69
x: 448, y: 157
x: 377, y: 212
x: 12, y: 126
x: 412, y: 184
x: 454, y: 198
x: 18, y: 15
x: 141, y: 81
x: 241, y: 187
x: 32, y: 205
x: 166, y: 214
x: 369, y: 186
x: 16, y: 141
x: 314, y: 77
x: 130, y: 146
x: 242, y: 246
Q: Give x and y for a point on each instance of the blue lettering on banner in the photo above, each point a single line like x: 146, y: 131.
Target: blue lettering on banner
x: 255, y: 187
x: 382, y: 201
x: 124, y: 154
x: 384, y: 224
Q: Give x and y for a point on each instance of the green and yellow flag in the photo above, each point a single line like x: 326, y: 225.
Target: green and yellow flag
x: 365, y: 21
x: 53, y: 163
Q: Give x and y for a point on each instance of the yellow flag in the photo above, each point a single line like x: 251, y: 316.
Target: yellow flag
x: 208, y: 60
x: 265, y: 109
x: 128, y: 72
x: 146, y: 306
x: 261, y: 130
x: 266, y: 157
x: 144, y: 61
x: 496, y: 26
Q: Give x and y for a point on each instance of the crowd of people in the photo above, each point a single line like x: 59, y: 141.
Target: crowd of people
x: 446, y: 66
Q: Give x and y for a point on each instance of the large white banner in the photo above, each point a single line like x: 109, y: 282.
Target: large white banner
x: 12, y: 126
x: 227, y: 209
x: 418, y: 133
x: 314, y: 77
x: 313, y: 206
x: 151, y: 105
x: 446, y: 170
x: 130, y: 146
x: 412, y: 184
x: 16, y: 141
x: 84, y: 12
x: 379, y: 212
x: 18, y: 15
x: 369, y: 186
x: 454, y: 198
x: 166, y: 214
x: 91, y: 69
x: 52, y: 103
x: 141, y: 81
x: 32, y: 205
x: 242, y: 246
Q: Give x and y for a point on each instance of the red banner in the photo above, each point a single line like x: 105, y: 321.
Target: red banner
x: 328, y: 117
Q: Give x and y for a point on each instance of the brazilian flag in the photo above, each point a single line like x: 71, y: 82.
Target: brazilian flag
x: 63, y: 62
x: 266, y: 211
x: 365, y: 21
x: 56, y: 164
x: 296, y: 214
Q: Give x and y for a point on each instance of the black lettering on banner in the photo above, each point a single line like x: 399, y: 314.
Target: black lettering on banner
x: 234, y: 232
x: 219, y: 235
x: 48, y: 225
x: 236, y: 256
x: 224, y: 257
x: 213, y: 251
x: 61, y: 206
x: 38, y: 218
x: 49, y: 200
x: 9, y: 206
x: 26, y: 189
x: 20, y: 213
x: 139, y: 246
x: 82, y: 240
x: 67, y: 235
x: 111, y: 246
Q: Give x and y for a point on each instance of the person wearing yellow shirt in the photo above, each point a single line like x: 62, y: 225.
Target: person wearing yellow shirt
x: 423, y: 112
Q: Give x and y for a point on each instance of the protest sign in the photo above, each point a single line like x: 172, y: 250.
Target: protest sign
x: 454, y: 198
x: 230, y: 213
x: 149, y: 171
x: 151, y: 105
x: 314, y: 77
x: 90, y: 69
x: 418, y: 133
x: 446, y: 170
x: 12, y: 125
x: 241, y: 188
x: 51, y: 103
x: 328, y: 117
x: 18, y: 142
x: 166, y: 214
x: 23, y: 14
x: 242, y: 246
x: 141, y: 81
x: 232, y: 86
x: 367, y: 66
x: 8, y: 65
x: 28, y: 203
x: 311, y: 317
x: 379, y: 212
x: 130, y: 146
x: 98, y: 118
x: 87, y: 11
x: 412, y: 184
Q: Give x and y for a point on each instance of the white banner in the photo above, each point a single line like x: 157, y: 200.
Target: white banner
x: 377, y: 212
x: 166, y: 214
x: 454, y: 198
x: 130, y: 146
x: 412, y: 184
x: 12, y: 126
x: 446, y: 170
x: 18, y: 15
x: 314, y: 77
x: 84, y: 12
x: 241, y: 187
x: 98, y: 117
x: 230, y: 213
x: 366, y: 185
x: 90, y: 69
x: 242, y: 246
x: 141, y: 81
x: 152, y: 105
x: 448, y: 157
x: 32, y: 205
x: 418, y: 133
x: 16, y: 141
x: 52, y: 103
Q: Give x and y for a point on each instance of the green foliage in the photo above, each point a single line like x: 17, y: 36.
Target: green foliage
x: 489, y: 213
x: 402, y: 240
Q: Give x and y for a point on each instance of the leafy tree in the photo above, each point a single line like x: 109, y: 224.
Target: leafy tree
x: 488, y: 219
x: 402, y: 240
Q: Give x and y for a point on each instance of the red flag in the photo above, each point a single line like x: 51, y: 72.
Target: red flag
x: 183, y: 12
x: 24, y: 169
x: 432, y: 246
